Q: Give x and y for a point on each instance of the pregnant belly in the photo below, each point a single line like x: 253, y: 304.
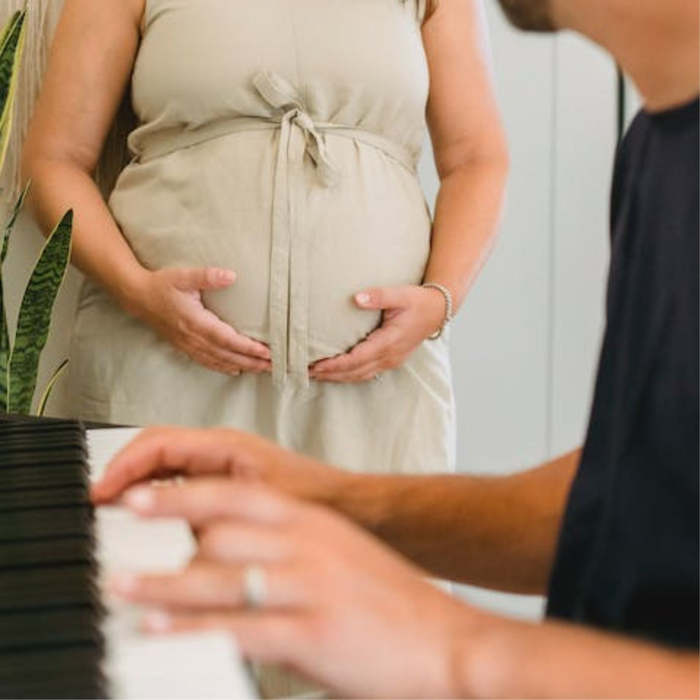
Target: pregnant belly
x: 372, y: 229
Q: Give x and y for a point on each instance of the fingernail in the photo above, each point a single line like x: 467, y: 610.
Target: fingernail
x: 122, y: 584
x: 227, y: 276
x: 363, y: 298
x: 157, y: 621
x: 141, y: 498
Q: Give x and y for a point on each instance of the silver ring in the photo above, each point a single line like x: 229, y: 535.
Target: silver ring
x: 254, y: 586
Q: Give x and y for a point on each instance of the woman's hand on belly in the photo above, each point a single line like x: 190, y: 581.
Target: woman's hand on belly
x: 171, y: 303
x: 410, y: 315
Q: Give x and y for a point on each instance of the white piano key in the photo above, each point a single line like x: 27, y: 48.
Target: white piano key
x: 181, y: 666
x: 203, y: 665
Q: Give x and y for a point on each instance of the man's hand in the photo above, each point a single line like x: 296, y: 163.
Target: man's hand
x: 168, y: 452
x: 339, y: 607
x: 494, y: 532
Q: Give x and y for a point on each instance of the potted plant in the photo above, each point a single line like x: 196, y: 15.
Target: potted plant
x: 19, y: 359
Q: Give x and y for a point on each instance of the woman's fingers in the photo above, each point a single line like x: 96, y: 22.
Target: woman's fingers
x: 220, y: 334
x: 196, y: 279
x: 199, y: 332
x: 357, y: 376
x: 207, y: 586
x: 375, y: 353
x: 381, y: 298
x: 222, y: 360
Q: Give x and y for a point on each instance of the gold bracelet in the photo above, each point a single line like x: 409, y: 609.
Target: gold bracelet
x: 448, y: 307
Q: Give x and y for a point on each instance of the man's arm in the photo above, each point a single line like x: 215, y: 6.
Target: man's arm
x: 556, y: 660
x: 340, y: 607
x: 495, y: 532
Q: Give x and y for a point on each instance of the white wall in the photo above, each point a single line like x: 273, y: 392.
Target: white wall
x: 524, y: 346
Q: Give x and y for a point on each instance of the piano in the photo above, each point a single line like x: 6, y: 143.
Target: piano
x: 60, y: 635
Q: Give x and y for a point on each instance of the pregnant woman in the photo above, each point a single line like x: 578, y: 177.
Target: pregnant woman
x: 266, y: 259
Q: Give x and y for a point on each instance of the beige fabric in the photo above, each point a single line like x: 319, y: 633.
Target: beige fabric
x: 278, y: 138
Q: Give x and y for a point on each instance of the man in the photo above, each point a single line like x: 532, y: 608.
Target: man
x: 609, y: 532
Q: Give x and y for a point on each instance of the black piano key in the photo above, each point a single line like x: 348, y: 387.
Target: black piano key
x: 41, y: 629
x: 51, y: 644
x: 20, y: 478
x: 33, y: 458
x: 24, y: 499
x: 78, y: 549
x: 47, y: 587
x: 70, y: 671
x: 45, y: 522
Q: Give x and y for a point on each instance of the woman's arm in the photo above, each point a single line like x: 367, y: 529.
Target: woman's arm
x: 90, y: 65
x: 472, y: 162
x: 89, y: 68
x: 468, y: 142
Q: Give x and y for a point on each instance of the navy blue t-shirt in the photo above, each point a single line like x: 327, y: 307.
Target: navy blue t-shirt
x: 627, y: 558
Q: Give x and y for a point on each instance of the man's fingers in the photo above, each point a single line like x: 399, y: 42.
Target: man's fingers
x: 156, y: 450
x: 194, y: 279
x: 265, y: 636
x: 204, y: 500
x: 238, y: 542
x: 206, y: 587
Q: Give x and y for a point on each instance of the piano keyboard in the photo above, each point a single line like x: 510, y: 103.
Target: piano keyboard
x: 60, y: 637
x: 51, y: 643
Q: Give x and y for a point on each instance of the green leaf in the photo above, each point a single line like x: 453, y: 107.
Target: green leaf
x: 4, y: 334
x: 34, y: 317
x: 10, y: 57
x: 11, y: 222
x: 49, y: 388
x: 7, y: 30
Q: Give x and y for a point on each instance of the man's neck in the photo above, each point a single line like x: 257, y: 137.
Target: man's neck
x: 655, y: 42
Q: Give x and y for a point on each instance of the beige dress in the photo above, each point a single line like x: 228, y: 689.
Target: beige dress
x: 278, y: 138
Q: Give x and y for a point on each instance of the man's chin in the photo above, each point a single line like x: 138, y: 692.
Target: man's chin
x: 529, y: 15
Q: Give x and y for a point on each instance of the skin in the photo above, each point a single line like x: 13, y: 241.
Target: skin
x: 342, y: 607
x: 494, y: 532
x: 327, y: 615
x: 472, y: 163
x: 90, y: 65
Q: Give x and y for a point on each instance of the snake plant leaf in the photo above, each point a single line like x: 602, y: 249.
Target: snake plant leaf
x: 11, y: 51
x: 4, y: 333
x: 34, y: 316
x: 7, y: 29
x: 41, y: 409
x: 11, y: 222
